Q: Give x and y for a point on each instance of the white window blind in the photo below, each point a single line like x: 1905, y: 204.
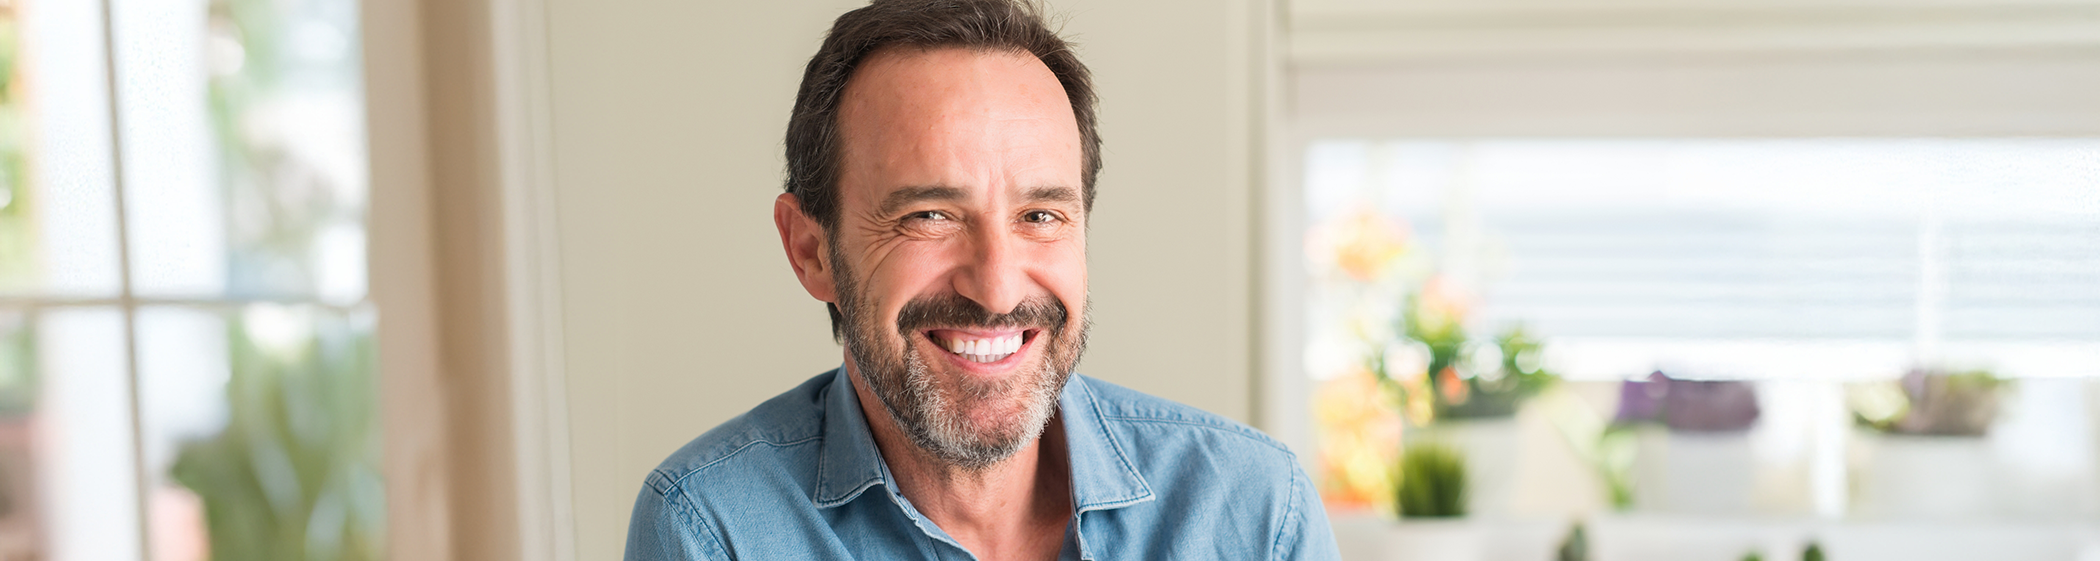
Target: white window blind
x: 1754, y: 258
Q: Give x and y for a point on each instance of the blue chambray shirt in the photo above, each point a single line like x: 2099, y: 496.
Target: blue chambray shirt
x: 799, y: 477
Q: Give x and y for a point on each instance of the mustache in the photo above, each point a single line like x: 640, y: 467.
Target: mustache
x: 953, y: 310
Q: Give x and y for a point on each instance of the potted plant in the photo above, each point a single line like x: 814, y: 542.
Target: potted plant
x: 1431, y: 500
x: 1922, y: 451
x: 1449, y: 376
x: 1463, y: 391
x: 1693, y: 453
x: 1432, y: 481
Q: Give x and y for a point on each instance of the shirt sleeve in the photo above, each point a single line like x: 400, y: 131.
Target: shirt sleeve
x: 1306, y: 535
x: 666, y: 527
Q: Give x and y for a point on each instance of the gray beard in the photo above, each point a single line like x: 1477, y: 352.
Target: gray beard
x: 936, y: 416
x: 938, y: 421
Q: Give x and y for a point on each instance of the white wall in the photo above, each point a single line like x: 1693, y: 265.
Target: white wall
x: 680, y: 310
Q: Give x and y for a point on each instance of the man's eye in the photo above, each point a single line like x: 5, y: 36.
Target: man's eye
x: 930, y: 215
x: 1039, y: 216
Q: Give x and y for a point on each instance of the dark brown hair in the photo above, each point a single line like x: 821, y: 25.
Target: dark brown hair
x: 813, y: 151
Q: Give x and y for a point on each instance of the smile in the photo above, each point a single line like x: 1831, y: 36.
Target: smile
x: 983, y: 349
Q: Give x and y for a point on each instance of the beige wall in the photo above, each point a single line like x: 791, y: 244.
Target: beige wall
x: 680, y: 311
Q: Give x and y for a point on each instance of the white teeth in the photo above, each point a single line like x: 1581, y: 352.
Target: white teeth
x: 985, y: 350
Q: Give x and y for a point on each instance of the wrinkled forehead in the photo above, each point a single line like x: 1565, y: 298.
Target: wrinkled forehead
x: 975, y: 120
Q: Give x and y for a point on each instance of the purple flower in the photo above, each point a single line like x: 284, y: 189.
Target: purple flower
x: 1710, y: 406
x: 1689, y: 405
x: 1641, y: 401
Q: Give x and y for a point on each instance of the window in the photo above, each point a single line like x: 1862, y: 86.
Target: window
x: 186, y: 343
x: 1814, y: 278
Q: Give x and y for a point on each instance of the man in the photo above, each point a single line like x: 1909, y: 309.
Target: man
x: 941, y: 162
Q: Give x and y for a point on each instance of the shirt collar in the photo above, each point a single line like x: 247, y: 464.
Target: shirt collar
x: 847, y: 462
x: 1102, y: 475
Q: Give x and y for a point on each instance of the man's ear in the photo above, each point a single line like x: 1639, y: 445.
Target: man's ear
x: 804, y: 240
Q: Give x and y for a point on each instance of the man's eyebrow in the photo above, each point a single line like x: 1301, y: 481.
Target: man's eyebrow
x: 1052, y: 195
x: 904, y: 197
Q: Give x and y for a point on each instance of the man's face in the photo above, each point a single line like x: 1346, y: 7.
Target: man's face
x: 960, y: 255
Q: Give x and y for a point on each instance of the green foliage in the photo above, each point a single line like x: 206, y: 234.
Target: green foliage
x: 1497, y: 390
x: 1814, y: 552
x: 17, y: 236
x: 1616, y: 451
x: 295, y: 475
x: 1753, y: 555
x: 1475, y: 379
x: 1930, y: 403
x: 18, y: 379
x: 1575, y: 547
x: 1608, y: 449
x: 1444, y: 335
x: 1432, y: 481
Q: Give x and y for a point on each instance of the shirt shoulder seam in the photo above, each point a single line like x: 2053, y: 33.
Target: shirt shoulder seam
x: 679, y: 480
x: 676, y: 498
x: 1227, y: 429
x: 1290, y: 513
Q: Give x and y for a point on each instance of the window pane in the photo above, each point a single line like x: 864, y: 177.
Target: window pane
x: 58, y: 233
x: 183, y: 370
x: 19, y: 534
x: 172, y: 203
x: 244, y: 139
x: 261, y: 434
x: 17, y: 239
x: 85, y: 467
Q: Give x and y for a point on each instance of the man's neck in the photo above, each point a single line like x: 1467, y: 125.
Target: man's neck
x: 1014, y: 509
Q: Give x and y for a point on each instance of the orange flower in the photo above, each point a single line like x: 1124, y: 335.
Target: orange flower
x: 1454, y: 389
x: 1362, y: 244
x: 1359, y: 436
x: 1442, y: 304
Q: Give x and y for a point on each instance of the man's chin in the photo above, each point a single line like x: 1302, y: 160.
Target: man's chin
x: 982, y: 444
x: 983, y: 424
x: 999, y: 421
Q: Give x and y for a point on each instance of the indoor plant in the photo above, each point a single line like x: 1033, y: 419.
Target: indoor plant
x: 1466, y: 392
x: 1693, y: 453
x: 1923, y: 450
x: 1432, y: 503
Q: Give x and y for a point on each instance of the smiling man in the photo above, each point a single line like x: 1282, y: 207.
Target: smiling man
x: 941, y: 162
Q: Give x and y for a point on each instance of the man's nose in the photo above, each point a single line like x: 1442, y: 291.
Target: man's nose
x: 996, y: 275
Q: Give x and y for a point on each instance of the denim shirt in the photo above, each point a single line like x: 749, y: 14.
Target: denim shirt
x: 799, y: 477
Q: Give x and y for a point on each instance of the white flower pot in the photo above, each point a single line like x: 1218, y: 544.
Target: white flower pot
x: 1694, y: 473
x: 1492, y: 448
x: 1926, y: 477
x: 1441, y: 540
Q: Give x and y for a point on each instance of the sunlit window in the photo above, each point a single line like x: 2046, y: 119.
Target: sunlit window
x: 186, y: 345
x: 1870, y: 330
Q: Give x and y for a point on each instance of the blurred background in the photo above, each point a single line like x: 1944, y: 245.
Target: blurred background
x: 1517, y: 279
